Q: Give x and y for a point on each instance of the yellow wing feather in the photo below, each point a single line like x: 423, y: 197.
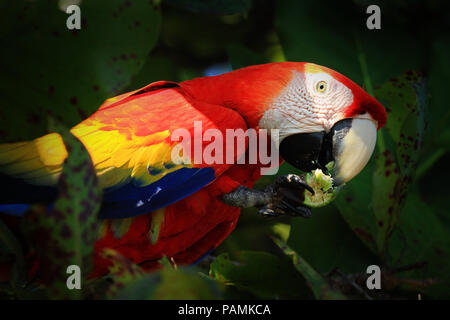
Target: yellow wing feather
x: 115, y: 157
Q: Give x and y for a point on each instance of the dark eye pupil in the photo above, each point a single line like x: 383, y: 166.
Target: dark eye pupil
x: 321, y: 87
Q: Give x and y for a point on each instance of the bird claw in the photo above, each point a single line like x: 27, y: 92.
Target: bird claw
x: 284, y: 208
x: 291, y: 181
x: 302, y: 210
x: 266, y: 211
x: 287, y: 197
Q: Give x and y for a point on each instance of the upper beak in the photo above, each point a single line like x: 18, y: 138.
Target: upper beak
x: 353, y: 144
x: 350, y: 144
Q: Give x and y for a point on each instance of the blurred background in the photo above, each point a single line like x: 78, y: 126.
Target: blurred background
x: 395, y: 214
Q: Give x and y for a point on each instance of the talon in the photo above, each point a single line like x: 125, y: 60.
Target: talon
x: 309, y: 188
x: 300, y: 210
x: 267, y: 212
x: 280, y: 198
x: 291, y: 195
x: 305, y: 212
x: 293, y: 181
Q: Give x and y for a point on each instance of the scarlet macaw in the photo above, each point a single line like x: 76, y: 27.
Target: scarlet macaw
x: 184, y: 210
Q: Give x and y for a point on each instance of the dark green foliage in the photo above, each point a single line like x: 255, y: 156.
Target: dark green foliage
x: 275, y: 279
x: 11, y: 252
x: 130, y: 282
x: 394, y: 214
x: 404, y: 98
x: 316, y: 282
x: 50, y: 70
x: 326, y: 242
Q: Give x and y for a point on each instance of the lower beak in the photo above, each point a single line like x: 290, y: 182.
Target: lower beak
x: 350, y: 144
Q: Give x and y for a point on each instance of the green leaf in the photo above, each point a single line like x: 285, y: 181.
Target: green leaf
x: 372, y: 201
x: 405, y: 100
x: 68, y: 73
x: 355, y: 206
x: 131, y: 282
x: 264, y: 275
x: 65, y: 235
x: 320, y: 287
x: 422, y: 241
x: 409, y: 233
x: 184, y: 284
x: 282, y: 230
x: 122, y: 273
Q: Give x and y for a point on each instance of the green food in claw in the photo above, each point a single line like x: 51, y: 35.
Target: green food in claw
x: 323, y: 187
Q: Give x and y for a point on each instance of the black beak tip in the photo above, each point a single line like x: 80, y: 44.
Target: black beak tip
x: 307, y: 151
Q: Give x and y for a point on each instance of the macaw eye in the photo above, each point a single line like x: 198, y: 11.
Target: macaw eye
x: 321, y: 86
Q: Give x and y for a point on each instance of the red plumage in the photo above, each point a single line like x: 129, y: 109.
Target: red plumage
x: 192, y: 226
x: 201, y: 221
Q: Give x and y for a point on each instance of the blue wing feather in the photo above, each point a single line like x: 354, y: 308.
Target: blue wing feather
x: 128, y: 200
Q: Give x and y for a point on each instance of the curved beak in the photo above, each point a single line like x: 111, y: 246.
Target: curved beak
x: 353, y: 144
x: 350, y: 144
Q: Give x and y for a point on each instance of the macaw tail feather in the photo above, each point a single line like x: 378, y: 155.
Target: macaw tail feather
x: 29, y: 170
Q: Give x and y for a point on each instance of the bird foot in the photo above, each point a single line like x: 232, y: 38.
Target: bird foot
x: 284, y: 196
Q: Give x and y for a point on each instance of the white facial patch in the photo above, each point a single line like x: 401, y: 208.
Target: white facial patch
x: 311, y: 102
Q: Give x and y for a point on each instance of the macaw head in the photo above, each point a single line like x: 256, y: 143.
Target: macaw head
x: 321, y: 115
